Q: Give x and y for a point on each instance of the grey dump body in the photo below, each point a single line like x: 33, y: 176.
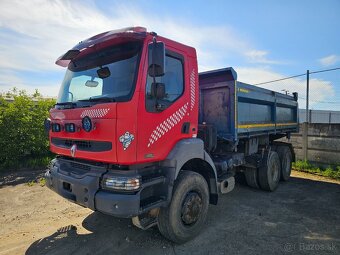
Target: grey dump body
x: 239, y: 110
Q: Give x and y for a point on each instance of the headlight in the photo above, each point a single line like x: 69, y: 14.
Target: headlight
x: 121, y: 183
x: 87, y: 124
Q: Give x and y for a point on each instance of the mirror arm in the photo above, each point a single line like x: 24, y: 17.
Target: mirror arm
x: 153, y: 59
x: 160, y: 107
x: 154, y: 68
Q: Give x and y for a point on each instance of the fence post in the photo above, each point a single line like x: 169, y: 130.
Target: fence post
x: 305, y: 125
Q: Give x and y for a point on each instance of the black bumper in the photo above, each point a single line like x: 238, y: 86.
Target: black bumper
x: 80, y: 183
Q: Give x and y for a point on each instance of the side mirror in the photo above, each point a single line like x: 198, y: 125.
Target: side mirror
x: 158, y: 90
x: 47, y: 125
x: 156, y: 58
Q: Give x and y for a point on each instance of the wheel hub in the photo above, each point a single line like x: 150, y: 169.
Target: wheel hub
x: 191, y: 208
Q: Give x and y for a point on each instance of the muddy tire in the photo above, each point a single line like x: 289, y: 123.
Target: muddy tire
x: 186, y: 214
x: 286, y: 158
x: 251, y: 177
x: 270, y: 171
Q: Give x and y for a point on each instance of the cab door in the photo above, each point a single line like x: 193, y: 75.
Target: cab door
x: 163, y: 122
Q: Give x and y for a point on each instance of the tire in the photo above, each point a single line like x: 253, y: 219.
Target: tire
x: 270, y: 171
x: 286, y: 158
x: 185, y: 216
x: 251, y: 177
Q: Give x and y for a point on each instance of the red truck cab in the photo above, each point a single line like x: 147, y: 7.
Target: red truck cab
x: 121, y: 106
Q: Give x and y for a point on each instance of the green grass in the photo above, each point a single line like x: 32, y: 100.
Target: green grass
x: 32, y: 163
x: 30, y: 184
x: 38, y: 162
x: 40, y: 181
x: 305, y: 166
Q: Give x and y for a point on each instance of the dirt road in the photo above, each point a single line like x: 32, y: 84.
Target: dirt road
x: 300, y: 217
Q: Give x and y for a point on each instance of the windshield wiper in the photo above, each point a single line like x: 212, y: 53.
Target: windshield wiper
x: 67, y: 104
x: 98, y: 99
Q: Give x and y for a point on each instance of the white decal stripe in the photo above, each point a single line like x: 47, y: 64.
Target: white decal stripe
x: 165, y: 126
x: 95, y: 113
x: 192, y: 89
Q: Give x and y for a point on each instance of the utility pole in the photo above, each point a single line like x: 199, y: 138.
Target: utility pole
x: 307, y: 97
x: 305, y: 125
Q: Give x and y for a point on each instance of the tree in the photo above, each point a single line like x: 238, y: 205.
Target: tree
x: 21, y: 127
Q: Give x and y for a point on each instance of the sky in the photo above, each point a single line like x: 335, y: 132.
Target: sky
x: 262, y: 40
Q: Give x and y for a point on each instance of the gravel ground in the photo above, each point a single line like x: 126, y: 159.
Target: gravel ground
x: 301, y: 217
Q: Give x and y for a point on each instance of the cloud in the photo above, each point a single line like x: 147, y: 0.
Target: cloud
x: 36, y: 32
x: 329, y: 60
x: 320, y: 90
x: 33, y: 34
x: 259, y: 57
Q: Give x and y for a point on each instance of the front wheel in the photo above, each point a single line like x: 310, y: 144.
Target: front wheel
x: 185, y: 216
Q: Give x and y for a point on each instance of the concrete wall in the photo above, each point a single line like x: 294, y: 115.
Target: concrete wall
x: 321, y: 143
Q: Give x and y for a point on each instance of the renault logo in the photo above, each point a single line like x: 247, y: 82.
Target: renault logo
x: 73, y: 150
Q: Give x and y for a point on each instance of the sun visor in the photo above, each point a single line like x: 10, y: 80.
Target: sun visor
x: 65, y: 59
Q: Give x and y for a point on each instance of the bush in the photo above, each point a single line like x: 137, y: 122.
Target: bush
x: 305, y: 166
x: 22, y: 137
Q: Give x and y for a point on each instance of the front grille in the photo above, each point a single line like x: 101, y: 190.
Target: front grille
x: 82, y: 145
x: 80, y: 166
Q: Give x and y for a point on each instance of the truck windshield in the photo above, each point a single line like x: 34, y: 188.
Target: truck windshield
x: 83, y: 86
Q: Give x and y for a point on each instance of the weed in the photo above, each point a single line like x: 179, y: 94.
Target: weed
x: 30, y: 183
x: 305, y: 166
x: 42, y: 182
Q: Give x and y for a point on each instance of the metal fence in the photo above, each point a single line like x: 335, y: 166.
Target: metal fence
x: 319, y: 116
x: 319, y: 94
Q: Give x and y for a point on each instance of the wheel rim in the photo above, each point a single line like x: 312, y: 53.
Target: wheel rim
x: 191, y: 208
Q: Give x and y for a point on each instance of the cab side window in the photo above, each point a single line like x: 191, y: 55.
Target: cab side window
x: 173, y: 81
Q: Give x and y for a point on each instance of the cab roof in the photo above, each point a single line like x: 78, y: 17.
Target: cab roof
x: 105, y: 39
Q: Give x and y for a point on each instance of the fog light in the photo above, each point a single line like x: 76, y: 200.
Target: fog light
x: 70, y: 127
x: 56, y: 127
x: 121, y: 183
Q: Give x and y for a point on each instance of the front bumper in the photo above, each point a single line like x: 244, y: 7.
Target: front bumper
x: 80, y: 183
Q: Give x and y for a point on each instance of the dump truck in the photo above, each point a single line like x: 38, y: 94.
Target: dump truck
x: 139, y: 133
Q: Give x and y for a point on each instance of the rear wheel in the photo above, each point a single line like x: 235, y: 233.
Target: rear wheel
x: 184, y: 218
x: 251, y: 177
x: 286, y: 158
x: 269, y: 172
